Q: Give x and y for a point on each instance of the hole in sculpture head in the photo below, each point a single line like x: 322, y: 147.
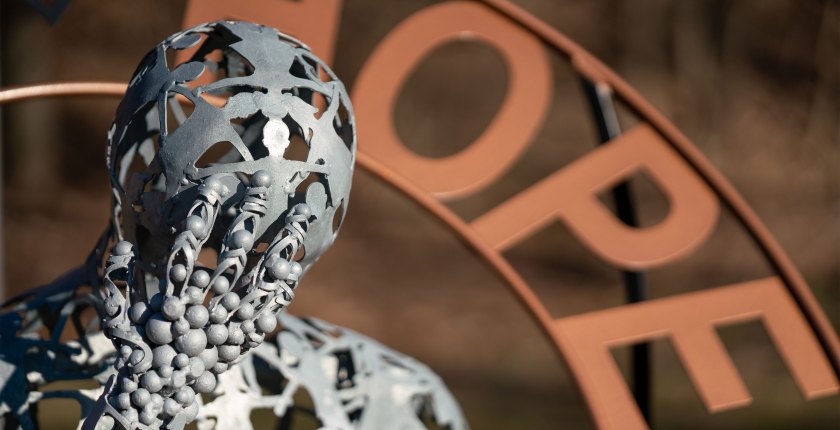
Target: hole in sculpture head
x: 300, y: 254
x: 251, y: 130
x: 342, y: 126
x: 234, y: 65
x: 338, y: 218
x: 298, y: 148
x: 220, y: 152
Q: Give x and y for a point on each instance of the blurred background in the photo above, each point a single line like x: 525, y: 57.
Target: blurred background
x: 754, y: 84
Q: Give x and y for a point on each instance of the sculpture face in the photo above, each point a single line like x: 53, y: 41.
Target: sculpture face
x: 244, y: 150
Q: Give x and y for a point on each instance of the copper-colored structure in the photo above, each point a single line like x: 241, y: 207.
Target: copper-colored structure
x: 696, y: 191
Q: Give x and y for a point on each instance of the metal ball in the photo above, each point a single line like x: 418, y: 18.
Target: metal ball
x: 172, y: 308
x: 229, y: 353
x: 205, y: 383
x: 124, y: 401
x: 217, y: 334
x: 280, y: 270
x: 218, y: 315
x: 213, y: 184
x: 127, y: 385
x: 247, y: 326
x: 181, y: 361
x: 235, y: 336
x: 163, y: 355
x: 302, y: 209
x: 156, y: 402
x: 196, y: 367
x: 158, y: 330
x: 180, y: 327
x: 209, y: 356
x: 140, y: 397
x: 147, y: 417
x: 261, y: 178
x: 191, y: 343
x: 245, y: 312
x: 241, y: 239
x: 200, y: 278
x: 267, y: 322
x: 221, y: 285
x: 139, y: 312
x: 171, y: 407
x: 165, y: 371
x: 230, y: 301
x: 122, y: 248
x: 185, y: 396
x: 179, y: 379
x: 196, y: 226
x: 136, y: 357
x: 193, y: 295
x: 296, y: 269
x: 197, y: 316
x: 151, y: 381
x: 178, y: 273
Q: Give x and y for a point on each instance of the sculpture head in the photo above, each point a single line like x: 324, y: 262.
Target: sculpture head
x: 246, y: 149
x: 249, y: 100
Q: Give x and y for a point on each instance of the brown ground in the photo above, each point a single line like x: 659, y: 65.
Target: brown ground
x: 754, y: 84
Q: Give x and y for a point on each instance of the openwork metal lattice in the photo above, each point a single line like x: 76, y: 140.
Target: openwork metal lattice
x: 230, y: 174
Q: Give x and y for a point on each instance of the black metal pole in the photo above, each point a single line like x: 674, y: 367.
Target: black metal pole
x: 606, y: 121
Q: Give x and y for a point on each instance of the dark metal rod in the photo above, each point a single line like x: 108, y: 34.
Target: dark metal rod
x: 606, y: 121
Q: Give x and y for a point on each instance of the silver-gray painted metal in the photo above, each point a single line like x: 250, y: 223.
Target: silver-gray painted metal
x: 230, y: 174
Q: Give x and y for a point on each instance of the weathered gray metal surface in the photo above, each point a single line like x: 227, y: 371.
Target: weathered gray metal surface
x: 245, y: 151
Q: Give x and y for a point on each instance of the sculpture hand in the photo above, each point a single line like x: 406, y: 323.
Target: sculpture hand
x: 202, y: 320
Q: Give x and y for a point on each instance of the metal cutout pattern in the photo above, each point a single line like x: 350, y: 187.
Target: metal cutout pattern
x: 369, y: 386
x: 364, y: 374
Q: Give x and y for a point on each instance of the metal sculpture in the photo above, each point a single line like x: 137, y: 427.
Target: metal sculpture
x: 179, y: 324
x: 269, y: 203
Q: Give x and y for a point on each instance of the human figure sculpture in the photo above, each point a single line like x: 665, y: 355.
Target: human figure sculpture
x: 246, y: 152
